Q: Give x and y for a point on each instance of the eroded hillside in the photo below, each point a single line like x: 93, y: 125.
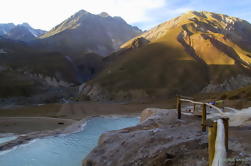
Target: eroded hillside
x: 195, y: 52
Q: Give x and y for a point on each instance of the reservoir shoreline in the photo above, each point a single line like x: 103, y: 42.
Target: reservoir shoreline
x: 75, y: 127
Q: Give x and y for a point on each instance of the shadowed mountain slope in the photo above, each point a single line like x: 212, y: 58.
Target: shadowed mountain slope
x: 20, y: 32
x: 25, y: 71
x: 198, y: 51
x: 67, y: 55
x: 88, y: 33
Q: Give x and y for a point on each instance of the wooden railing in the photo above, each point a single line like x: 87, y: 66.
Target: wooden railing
x: 210, y: 123
x: 212, y: 146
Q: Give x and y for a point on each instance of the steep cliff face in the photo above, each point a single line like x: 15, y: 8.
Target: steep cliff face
x: 183, y: 55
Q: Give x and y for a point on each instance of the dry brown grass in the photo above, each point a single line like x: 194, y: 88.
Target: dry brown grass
x: 165, y: 68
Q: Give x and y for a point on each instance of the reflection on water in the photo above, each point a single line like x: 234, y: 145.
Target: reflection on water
x: 68, y: 150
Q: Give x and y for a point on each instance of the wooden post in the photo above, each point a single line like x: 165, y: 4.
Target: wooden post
x: 226, y: 126
x: 179, y: 107
x: 223, y: 106
x: 204, y: 117
x: 212, y: 132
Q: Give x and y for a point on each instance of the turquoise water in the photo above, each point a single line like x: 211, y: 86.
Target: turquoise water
x: 68, y: 150
x: 6, y: 139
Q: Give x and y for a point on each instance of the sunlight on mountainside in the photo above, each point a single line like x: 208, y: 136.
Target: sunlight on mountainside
x: 170, y: 79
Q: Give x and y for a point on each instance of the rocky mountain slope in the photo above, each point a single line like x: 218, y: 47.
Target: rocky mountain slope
x: 70, y: 52
x: 4, y: 28
x: 26, y: 71
x: 197, y: 51
x: 88, y: 33
x: 21, y: 32
x: 67, y: 55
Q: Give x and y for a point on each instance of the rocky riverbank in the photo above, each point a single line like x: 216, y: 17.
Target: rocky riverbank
x: 160, y: 140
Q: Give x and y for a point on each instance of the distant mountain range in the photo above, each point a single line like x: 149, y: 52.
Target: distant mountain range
x: 69, y: 54
x: 197, y: 52
x: 85, y: 33
x: 21, y: 32
x: 193, y: 53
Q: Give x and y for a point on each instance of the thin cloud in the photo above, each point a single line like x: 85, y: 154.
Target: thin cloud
x: 143, y: 13
x: 131, y: 10
x: 48, y: 13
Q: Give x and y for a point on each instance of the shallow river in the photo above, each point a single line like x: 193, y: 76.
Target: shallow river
x: 67, y: 150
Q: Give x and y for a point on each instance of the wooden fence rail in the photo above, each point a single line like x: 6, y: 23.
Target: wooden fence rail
x: 211, y: 124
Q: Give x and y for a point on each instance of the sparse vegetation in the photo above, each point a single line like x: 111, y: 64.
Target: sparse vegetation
x: 166, y: 67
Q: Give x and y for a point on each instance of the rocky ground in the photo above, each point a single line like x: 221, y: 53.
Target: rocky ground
x: 161, y: 139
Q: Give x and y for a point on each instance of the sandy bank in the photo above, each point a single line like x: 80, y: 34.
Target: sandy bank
x: 69, y: 126
x: 25, y: 119
x: 52, y: 119
x: 22, y: 125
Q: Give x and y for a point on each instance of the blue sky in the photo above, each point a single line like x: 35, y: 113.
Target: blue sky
x: 173, y: 8
x: 143, y: 13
